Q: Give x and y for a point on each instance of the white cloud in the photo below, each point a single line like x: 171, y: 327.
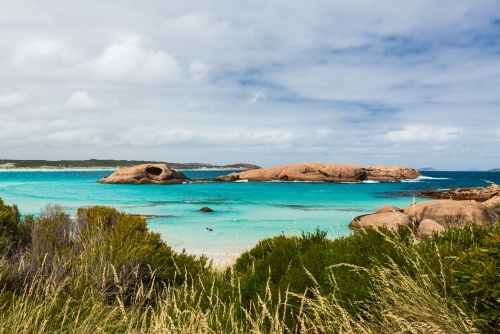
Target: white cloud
x: 12, y: 99
x: 198, y: 71
x: 422, y: 133
x: 38, y: 48
x: 81, y: 100
x: 195, y: 24
x: 371, y: 76
x: 128, y: 60
x: 258, y: 95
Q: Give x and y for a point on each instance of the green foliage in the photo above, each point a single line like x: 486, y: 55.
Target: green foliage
x: 105, y: 252
x: 9, y: 227
x: 475, y: 274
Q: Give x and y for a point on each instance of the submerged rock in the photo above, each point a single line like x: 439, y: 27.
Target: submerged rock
x: 206, y: 209
x: 390, y: 220
x: 146, y: 173
x: 316, y: 171
x: 450, y: 213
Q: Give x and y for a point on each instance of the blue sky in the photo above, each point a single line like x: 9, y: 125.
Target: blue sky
x: 413, y: 83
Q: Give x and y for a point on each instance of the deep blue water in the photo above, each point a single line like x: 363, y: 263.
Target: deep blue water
x: 244, y: 212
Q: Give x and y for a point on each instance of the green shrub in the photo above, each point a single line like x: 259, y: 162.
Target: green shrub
x: 279, y: 265
x: 9, y: 221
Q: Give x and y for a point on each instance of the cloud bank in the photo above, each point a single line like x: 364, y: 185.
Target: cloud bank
x: 407, y: 83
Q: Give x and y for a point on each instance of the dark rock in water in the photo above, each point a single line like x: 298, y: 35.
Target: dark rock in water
x: 227, y: 178
x: 206, y: 209
x: 461, y: 194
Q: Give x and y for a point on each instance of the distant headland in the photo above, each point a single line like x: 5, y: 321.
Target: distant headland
x: 110, y: 164
x: 428, y: 169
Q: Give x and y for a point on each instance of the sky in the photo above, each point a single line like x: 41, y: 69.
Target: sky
x: 411, y: 83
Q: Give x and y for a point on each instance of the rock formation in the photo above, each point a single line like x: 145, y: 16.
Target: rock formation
x: 146, y: 173
x: 476, y: 194
x: 492, y: 201
x: 388, y: 208
x: 428, y: 217
x: 390, y: 173
x: 390, y: 220
x: 450, y: 213
x: 316, y: 171
x: 428, y: 227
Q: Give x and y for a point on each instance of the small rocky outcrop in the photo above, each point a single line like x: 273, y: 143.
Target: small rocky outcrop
x: 390, y: 220
x: 228, y: 178
x: 388, y: 208
x: 317, y: 171
x: 428, y: 227
x: 206, y: 209
x: 461, y: 194
x: 450, y: 213
x: 146, y: 173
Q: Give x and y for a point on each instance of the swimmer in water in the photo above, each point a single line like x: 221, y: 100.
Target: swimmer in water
x: 209, y: 229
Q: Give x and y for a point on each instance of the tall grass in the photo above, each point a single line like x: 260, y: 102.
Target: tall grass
x: 111, y: 275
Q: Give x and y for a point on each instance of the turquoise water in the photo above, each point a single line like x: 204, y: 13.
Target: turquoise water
x: 244, y: 212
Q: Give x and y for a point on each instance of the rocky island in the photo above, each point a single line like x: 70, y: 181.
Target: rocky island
x: 317, y: 171
x: 146, y: 173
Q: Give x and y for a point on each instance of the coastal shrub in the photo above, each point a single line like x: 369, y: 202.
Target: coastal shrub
x: 118, y: 254
x: 281, y: 265
x: 9, y: 226
x: 102, y: 251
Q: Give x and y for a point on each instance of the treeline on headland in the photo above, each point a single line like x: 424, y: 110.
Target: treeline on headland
x: 103, y: 271
x: 95, y: 163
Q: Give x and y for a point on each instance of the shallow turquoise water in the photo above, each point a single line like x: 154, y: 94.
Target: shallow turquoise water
x: 244, y: 212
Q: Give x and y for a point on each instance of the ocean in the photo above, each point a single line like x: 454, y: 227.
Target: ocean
x: 244, y: 212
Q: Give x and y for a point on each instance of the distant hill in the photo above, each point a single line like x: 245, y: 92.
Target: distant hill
x: 95, y: 164
x: 428, y: 169
x: 494, y: 170
x: 474, y: 169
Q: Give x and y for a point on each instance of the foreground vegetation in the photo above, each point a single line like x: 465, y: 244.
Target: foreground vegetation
x: 104, y: 272
x: 94, y: 163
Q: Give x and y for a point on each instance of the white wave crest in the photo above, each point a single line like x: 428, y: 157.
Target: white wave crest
x: 432, y: 178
